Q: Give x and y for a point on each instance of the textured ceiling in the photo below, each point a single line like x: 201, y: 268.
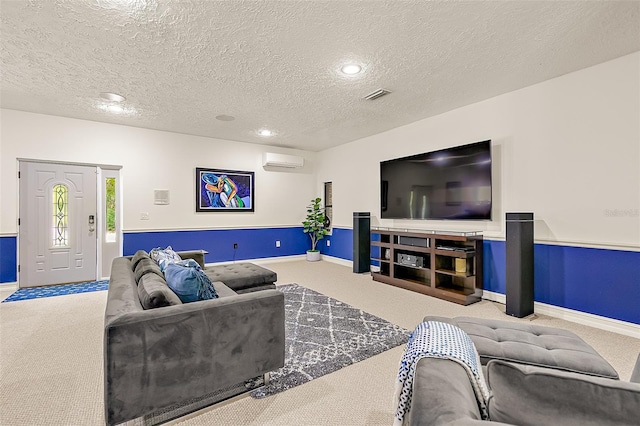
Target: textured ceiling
x: 275, y: 64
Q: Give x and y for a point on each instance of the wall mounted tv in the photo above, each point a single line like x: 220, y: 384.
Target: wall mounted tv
x: 452, y: 183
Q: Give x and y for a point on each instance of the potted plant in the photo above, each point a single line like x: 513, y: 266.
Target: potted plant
x: 314, y: 226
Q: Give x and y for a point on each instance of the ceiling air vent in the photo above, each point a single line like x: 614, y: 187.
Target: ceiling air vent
x: 377, y: 94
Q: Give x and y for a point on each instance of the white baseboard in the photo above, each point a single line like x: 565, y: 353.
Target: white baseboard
x: 262, y: 260
x: 278, y: 259
x: 597, y: 321
x: 9, y: 286
x: 337, y: 260
x: 494, y: 297
x: 293, y: 258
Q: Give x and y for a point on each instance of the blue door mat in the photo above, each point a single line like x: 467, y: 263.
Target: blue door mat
x: 56, y: 290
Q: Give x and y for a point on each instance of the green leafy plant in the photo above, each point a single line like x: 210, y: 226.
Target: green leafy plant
x: 314, y: 223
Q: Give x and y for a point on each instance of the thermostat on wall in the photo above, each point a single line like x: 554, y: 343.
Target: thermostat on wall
x: 161, y: 196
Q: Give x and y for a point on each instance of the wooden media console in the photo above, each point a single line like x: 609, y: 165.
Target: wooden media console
x: 447, y: 265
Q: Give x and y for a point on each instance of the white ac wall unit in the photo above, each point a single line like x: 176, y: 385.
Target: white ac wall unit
x: 270, y: 159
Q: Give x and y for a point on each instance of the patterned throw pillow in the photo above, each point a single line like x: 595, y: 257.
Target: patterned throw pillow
x: 163, y: 257
x: 189, y: 282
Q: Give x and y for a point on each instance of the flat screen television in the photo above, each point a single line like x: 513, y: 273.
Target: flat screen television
x: 452, y: 183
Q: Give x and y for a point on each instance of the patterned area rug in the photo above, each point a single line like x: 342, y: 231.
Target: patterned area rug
x: 323, y: 335
x: 56, y: 290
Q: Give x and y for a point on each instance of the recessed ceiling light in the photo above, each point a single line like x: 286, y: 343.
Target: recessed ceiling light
x: 113, y: 97
x: 225, y: 117
x: 117, y: 109
x: 265, y: 132
x: 120, y: 109
x: 351, y: 69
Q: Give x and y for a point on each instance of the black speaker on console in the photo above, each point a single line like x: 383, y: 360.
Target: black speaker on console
x: 413, y: 241
x: 519, y: 268
x: 361, y: 242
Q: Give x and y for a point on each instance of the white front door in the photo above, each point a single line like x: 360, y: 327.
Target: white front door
x: 57, y: 233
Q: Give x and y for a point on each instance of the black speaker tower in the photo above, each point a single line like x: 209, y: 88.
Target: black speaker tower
x: 361, y: 242
x: 519, y: 258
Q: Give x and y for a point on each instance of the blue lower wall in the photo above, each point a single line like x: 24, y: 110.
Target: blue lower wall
x: 597, y: 281
x: 252, y: 243
x: 341, y: 244
x: 8, y: 259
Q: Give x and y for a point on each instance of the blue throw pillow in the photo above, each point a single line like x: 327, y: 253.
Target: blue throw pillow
x: 189, y: 282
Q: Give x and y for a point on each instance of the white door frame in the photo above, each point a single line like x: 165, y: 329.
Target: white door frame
x: 102, y: 271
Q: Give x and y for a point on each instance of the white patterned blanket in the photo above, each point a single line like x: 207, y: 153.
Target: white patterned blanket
x: 438, y: 340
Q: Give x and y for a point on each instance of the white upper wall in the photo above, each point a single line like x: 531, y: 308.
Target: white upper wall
x: 567, y: 149
x: 152, y: 160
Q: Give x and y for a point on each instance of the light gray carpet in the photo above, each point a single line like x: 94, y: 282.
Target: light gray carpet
x: 51, y: 357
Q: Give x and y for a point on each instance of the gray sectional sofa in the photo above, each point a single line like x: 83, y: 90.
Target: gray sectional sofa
x: 158, y: 357
x: 537, y: 376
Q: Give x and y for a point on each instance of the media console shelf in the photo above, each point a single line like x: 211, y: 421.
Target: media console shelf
x: 447, y: 265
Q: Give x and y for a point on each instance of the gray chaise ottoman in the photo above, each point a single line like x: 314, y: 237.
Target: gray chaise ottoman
x: 242, y: 277
x: 531, y: 344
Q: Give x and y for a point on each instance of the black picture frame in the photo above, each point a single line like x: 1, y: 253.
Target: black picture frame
x: 219, y: 190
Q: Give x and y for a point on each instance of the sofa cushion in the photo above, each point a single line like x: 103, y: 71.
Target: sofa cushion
x: 530, y: 395
x: 147, y: 266
x: 258, y: 288
x: 189, y: 281
x: 122, y: 296
x: 137, y: 257
x: 223, y: 290
x: 164, y: 256
x: 635, y: 374
x: 531, y: 344
x: 240, y: 276
x: 153, y: 292
x: 442, y: 393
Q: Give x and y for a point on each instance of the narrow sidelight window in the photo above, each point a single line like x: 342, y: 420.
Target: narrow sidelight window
x: 110, y: 206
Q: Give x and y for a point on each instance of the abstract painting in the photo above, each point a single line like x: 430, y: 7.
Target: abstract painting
x: 224, y: 190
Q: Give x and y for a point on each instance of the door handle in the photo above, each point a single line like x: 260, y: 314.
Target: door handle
x: 92, y: 223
